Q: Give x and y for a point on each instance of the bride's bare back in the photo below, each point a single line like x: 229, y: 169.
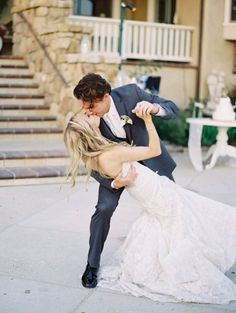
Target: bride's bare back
x: 110, y: 162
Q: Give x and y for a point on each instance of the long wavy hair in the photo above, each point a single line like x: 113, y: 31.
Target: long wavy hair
x: 84, y: 143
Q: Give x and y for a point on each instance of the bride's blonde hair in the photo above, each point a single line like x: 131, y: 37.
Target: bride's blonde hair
x: 84, y: 143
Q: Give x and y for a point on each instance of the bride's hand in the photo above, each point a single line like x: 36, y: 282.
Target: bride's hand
x: 144, y: 110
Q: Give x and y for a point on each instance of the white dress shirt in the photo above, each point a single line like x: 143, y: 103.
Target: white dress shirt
x: 113, y: 120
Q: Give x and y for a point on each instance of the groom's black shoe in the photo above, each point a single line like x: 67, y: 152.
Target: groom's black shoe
x: 89, y: 278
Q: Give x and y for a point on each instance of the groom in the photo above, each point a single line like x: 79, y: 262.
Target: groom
x: 118, y: 123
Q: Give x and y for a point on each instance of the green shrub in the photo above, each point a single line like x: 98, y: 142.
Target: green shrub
x: 232, y: 136
x: 176, y: 131
x: 209, y: 134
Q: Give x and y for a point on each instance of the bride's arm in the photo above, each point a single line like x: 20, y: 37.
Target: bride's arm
x: 127, y: 154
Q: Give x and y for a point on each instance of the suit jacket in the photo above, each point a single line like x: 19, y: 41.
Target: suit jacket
x: 125, y: 99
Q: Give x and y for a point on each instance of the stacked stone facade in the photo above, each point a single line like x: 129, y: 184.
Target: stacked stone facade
x: 48, y: 26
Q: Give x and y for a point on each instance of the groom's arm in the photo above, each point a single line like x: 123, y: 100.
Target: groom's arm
x: 119, y: 182
x: 166, y: 109
x: 106, y: 182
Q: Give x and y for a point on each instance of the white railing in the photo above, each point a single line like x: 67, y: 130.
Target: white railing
x: 105, y: 33
x: 141, y: 40
x: 155, y: 41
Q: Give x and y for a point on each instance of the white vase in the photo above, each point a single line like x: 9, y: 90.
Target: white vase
x: 85, y: 45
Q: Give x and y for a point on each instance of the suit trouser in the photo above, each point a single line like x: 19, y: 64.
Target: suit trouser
x: 108, y: 200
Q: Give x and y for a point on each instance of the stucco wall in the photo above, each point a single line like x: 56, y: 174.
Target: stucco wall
x: 217, y: 53
x: 188, y: 13
x: 177, y: 82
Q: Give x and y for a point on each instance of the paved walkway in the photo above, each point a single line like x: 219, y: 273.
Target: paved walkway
x: 44, y: 242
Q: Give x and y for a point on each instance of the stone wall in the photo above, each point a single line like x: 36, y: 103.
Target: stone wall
x: 49, y: 21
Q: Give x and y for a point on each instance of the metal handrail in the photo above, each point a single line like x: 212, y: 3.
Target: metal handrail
x: 42, y: 46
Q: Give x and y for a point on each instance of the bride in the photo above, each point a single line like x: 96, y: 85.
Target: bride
x: 182, y: 244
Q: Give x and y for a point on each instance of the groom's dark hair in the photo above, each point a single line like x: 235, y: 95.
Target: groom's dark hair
x: 91, y: 87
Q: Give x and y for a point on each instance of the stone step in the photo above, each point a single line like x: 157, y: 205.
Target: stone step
x: 25, y: 95
x: 11, y: 176
x: 28, y: 121
x: 15, y: 71
x: 32, y: 148
x: 28, y: 143
x: 35, y: 162
x: 12, y: 65
x: 17, y: 134
x: 11, y: 57
x: 31, y: 172
x: 10, y: 91
x: 24, y: 110
x: 16, y: 76
x: 33, y: 158
x: 12, y: 62
x: 21, y: 82
x: 29, y: 131
x: 22, y: 101
x: 27, y: 118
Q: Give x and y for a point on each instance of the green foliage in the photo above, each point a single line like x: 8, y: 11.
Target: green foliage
x: 174, y: 131
x: 209, y: 134
x: 232, y: 136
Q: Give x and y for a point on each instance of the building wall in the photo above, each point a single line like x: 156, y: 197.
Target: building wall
x: 217, y: 53
x: 141, y: 11
x: 177, y: 82
x: 188, y: 13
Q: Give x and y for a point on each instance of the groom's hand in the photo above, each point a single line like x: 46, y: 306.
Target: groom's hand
x: 124, y: 180
x: 144, y: 108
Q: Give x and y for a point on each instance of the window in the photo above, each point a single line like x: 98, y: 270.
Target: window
x: 165, y: 11
x: 101, y: 8
x: 234, y: 70
x: 233, y: 11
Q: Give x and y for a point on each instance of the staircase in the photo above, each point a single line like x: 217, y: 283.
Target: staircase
x: 31, y: 143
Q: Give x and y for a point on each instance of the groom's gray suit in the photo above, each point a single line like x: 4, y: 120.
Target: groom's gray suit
x: 125, y: 99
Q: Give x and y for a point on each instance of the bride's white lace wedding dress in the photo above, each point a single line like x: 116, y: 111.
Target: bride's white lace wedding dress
x: 178, y: 249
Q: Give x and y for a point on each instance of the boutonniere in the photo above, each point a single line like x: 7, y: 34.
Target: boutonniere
x: 125, y: 119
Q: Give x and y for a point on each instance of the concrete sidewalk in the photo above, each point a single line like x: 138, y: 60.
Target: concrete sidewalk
x: 44, y: 241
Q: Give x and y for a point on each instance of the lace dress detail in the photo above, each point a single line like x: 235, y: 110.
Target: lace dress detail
x: 178, y: 249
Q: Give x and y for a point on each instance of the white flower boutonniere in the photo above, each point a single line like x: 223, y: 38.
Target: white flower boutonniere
x: 125, y: 119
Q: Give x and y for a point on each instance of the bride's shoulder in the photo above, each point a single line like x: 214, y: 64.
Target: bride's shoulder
x: 112, y: 153
x: 118, y: 151
x: 109, y: 162
x: 111, y: 156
